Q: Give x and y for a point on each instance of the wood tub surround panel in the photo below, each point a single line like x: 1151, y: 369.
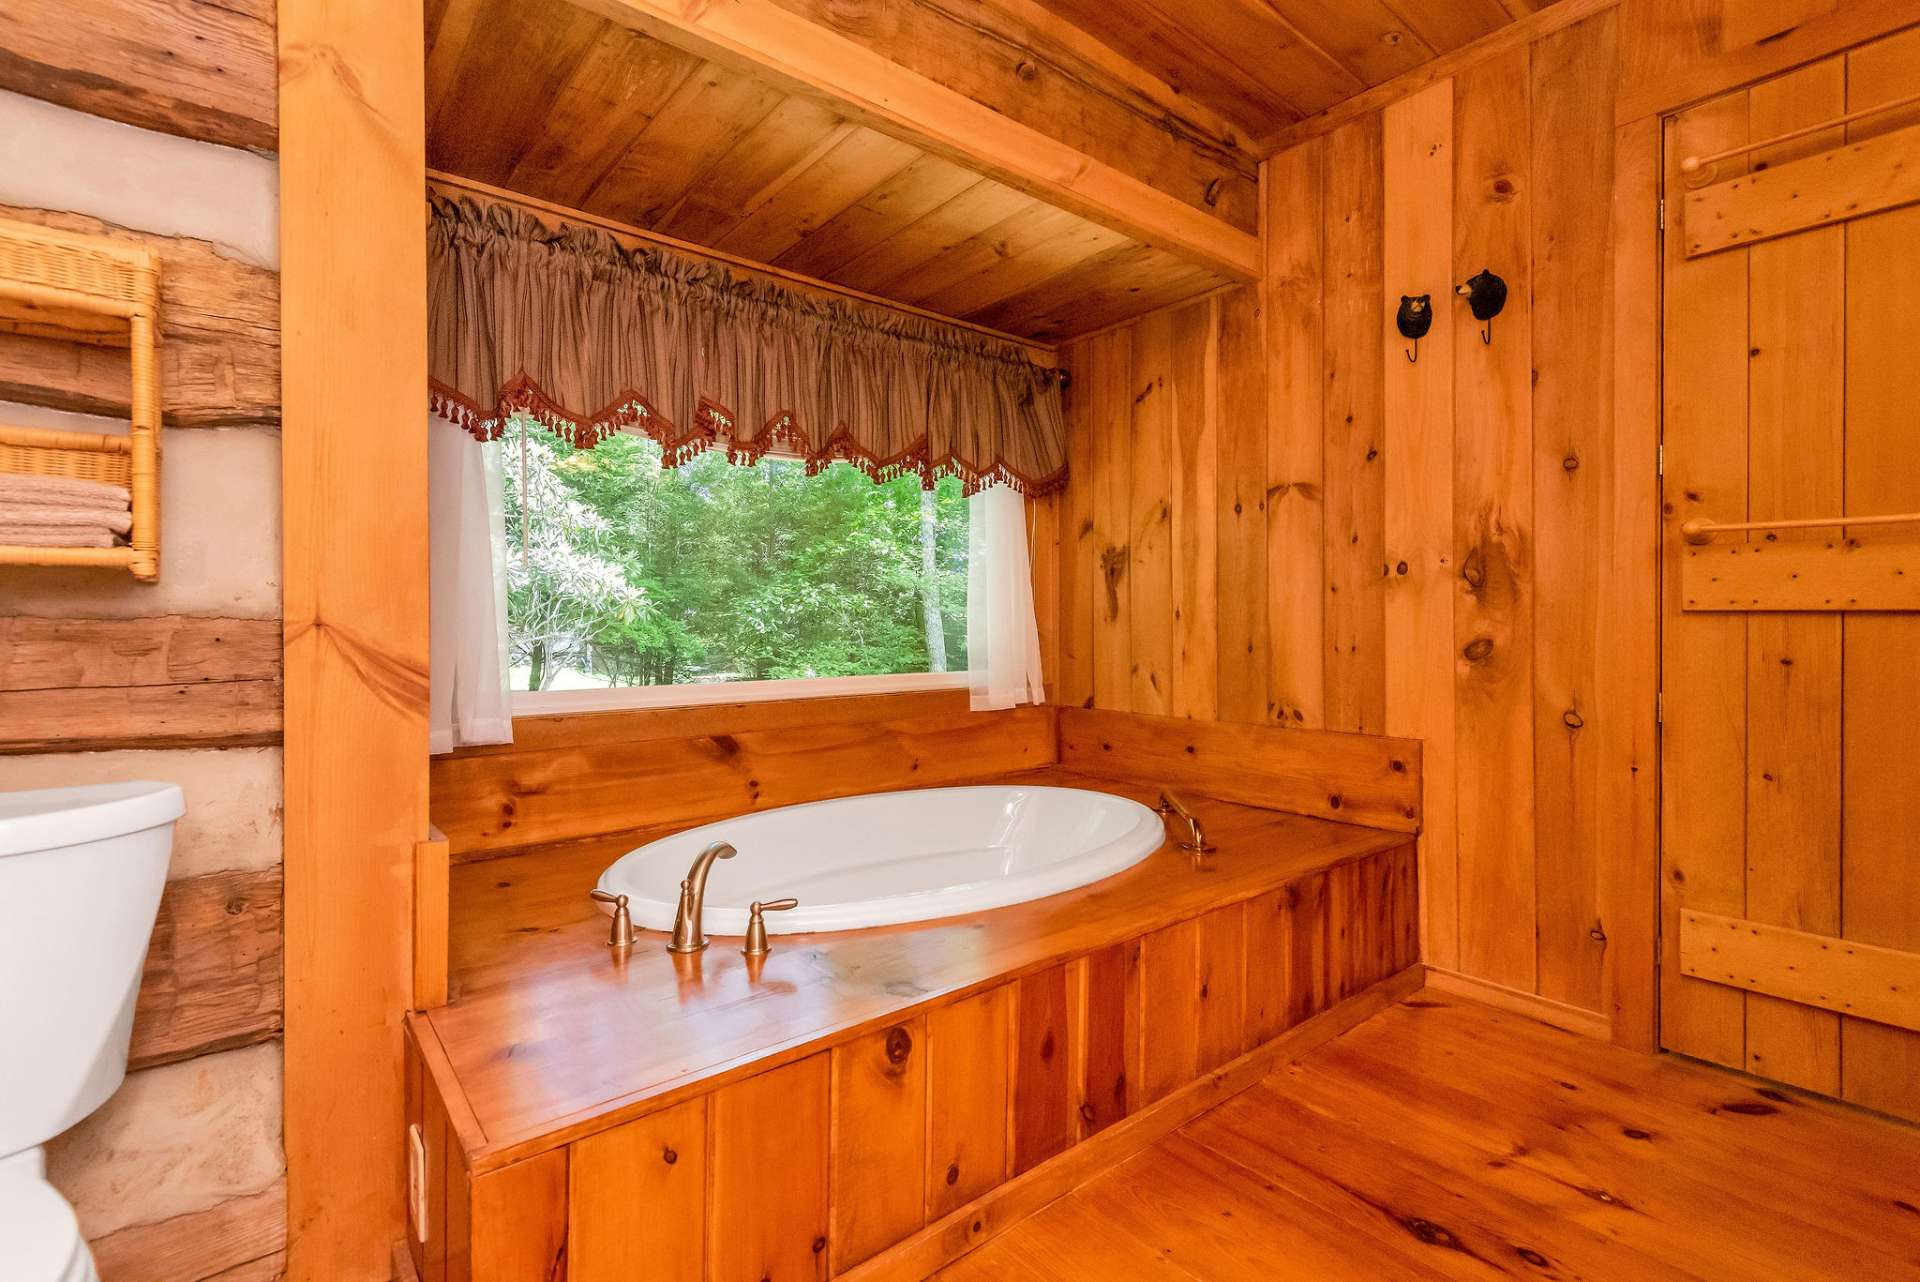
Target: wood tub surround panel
x: 620, y: 771
x: 877, y: 1102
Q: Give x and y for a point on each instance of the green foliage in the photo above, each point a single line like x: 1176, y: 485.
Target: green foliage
x: 637, y: 575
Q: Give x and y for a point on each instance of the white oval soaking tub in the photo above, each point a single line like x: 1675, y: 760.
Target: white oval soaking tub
x: 892, y: 857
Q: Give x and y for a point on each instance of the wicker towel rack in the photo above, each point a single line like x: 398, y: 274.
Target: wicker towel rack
x: 104, y: 292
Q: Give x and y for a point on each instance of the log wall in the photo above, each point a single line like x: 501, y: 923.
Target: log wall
x: 181, y: 1175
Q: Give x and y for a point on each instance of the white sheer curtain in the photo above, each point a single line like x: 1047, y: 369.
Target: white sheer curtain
x: 1003, y: 639
x: 467, y: 592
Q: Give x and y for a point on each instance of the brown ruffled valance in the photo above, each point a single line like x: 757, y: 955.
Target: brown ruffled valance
x: 591, y: 336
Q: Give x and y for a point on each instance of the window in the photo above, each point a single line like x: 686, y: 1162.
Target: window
x: 621, y: 573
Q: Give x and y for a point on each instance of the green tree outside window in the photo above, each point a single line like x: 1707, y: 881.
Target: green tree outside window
x: 622, y: 573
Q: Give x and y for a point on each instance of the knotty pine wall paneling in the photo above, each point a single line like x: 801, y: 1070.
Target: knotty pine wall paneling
x: 1439, y: 536
x: 181, y: 1174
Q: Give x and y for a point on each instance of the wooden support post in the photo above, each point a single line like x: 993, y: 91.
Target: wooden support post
x: 354, y: 450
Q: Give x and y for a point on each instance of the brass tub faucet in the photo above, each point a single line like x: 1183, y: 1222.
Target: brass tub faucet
x: 687, y: 935
x: 1171, y: 804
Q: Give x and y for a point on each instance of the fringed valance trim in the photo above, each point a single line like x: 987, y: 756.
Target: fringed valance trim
x: 563, y: 326
x: 632, y: 415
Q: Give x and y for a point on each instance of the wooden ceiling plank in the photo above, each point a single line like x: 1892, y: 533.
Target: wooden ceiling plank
x: 855, y: 166
x: 1131, y: 280
x: 1019, y: 272
x: 896, y: 99
x: 1365, y: 36
x: 509, y: 76
x: 612, y: 96
x: 449, y: 30
x: 1291, y: 77
x: 1018, y: 232
x: 1560, y: 14
x: 908, y: 196
x: 769, y: 157
x: 700, y: 122
x: 966, y: 215
x: 1448, y: 26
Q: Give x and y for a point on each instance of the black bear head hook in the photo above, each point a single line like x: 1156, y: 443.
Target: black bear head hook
x: 1414, y: 318
x: 1486, y: 296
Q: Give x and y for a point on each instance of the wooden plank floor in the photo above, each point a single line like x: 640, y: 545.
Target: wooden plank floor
x: 1445, y: 1139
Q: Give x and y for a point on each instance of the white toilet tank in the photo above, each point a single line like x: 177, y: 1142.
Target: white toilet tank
x: 81, y: 871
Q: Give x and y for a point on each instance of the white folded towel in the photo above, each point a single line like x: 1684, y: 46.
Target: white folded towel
x: 19, y: 487
x: 41, y: 536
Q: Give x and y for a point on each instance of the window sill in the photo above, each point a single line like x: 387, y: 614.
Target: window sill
x: 549, y: 702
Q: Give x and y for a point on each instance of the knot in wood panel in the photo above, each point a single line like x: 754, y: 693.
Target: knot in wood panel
x: 1478, y: 650
x: 1474, y: 569
x: 899, y: 1046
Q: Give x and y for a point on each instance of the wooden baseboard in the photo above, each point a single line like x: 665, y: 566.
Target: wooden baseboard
x: 980, y: 1221
x: 1573, y: 1019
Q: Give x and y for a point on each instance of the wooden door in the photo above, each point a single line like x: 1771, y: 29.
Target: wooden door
x: 1791, y: 735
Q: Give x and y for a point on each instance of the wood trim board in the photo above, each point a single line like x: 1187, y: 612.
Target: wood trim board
x: 1878, y: 984
x: 1852, y: 181
x: 1571, y: 1018
x: 1801, y: 575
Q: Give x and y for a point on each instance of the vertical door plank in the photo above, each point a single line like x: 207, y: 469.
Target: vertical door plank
x: 1110, y: 409
x: 1194, y: 482
x: 1704, y: 657
x: 1150, y: 516
x: 1355, y: 431
x: 1627, y: 681
x: 1043, y: 1090
x: 1574, y: 72
x: 1073, y: 681
x: 768, y: 1218
x: 1112, y: 1029
x: 637, y: 1199
x: 1169, y: 1009
x: 1269, y: 934
x: 1222, y: 1028
x: 968, y: 1046
x: 1880, y: 1065
x: 1241, y: 509
x: 1296, y: 551
x: 879, y: 1148
x: 1493, y: 528
x: 519, y: 1221
x: 1795, y: 382
x: 1422, y: 579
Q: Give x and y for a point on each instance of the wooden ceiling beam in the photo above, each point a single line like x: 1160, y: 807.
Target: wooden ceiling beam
x: 1052, y: 163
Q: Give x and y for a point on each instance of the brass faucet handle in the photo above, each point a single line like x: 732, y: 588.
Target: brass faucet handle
x: 1171, y: 803
x: 621, y: 935
x: 756, y: 945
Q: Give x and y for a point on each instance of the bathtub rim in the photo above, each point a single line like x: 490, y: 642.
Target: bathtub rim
x: 1117, y: 855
